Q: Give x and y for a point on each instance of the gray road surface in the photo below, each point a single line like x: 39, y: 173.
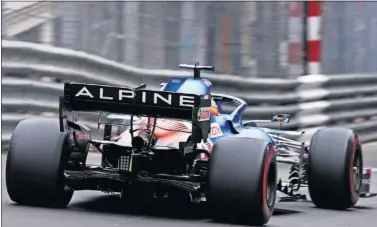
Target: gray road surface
x: 95, y: 209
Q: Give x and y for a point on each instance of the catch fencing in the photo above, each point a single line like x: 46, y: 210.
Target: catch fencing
x: 251, y: 39
x: 314, y: 101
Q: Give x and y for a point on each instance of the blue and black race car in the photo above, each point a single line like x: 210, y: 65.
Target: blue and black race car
x: 180, y: 143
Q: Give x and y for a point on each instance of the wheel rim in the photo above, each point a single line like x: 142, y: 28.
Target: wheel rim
x: 356, y: 173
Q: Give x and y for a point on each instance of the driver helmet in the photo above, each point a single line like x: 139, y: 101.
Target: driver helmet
x: 214, y: 108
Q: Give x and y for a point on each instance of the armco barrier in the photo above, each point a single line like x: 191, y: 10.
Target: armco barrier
x: 313, y: 101
x: 78, y: 66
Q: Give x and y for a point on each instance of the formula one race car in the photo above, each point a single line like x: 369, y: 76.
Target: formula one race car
x: 179, y: 144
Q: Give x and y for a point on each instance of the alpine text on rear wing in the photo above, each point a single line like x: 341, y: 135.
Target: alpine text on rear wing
x: 124, y: 100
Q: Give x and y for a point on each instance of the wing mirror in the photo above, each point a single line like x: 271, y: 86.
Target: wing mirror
x: 281, y: 118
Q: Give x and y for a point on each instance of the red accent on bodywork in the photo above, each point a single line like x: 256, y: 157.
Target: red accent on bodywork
x: 368, y: 171
x: 165, y: 123
x: 82, y: 135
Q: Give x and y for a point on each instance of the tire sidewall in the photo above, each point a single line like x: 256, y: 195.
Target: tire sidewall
x: 270, y: 158
x: 43, y: 165
x: 242, y: 198
x: 339, y: 192
x: 354, y: 146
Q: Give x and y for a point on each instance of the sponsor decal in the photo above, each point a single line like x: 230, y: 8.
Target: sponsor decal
x: 215, y: 130
x: 188, y: 149
x: 204, y: 114
x: 129, y: 96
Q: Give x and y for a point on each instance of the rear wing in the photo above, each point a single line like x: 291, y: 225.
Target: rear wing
x: 124, y: 100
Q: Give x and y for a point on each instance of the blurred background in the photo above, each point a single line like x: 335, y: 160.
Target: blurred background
x: 250, y: 39
x: 260, y: 53
x: 257, y: 49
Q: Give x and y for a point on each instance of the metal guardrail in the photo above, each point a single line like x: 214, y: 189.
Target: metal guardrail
x: 313, y: 101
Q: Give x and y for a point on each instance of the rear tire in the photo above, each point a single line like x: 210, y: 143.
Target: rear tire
x: 335, y: 168
x: 34, y: 168
x: 242, y: 181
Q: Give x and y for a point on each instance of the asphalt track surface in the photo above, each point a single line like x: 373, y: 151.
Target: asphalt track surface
x: 96, y: 209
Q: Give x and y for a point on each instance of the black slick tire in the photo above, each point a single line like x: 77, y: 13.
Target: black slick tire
x: 335, y: 168
x: 242, y: 181
x: 35, y: 161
